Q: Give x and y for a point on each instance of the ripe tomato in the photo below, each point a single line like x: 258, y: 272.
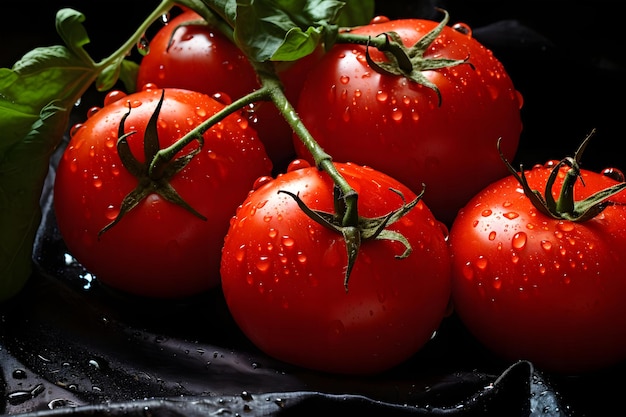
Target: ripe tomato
x: 158, y: 248
x: 399, y: 127
x: 530, y: 286
x: 200, y: 58
x: 283, y: 275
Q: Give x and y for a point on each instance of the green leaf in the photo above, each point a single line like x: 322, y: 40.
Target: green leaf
x: 286, y: 30
x: 356, y: 13
x: 36, y: 98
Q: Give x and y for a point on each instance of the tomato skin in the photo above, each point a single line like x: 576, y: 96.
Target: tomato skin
x: 532, y: 287
x: 396, y: 126
x: 158, y: 249
x: 283, y: 273
x: 201, y: 58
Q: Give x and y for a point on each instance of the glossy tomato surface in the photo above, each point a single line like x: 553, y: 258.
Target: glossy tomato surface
x: 397, y: 126
x: 157, y: 249
x: 533, y: 287
x: 188, y: 53
x: 283, y: 275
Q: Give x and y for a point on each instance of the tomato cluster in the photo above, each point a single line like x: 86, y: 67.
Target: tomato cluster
x: 311, y: 274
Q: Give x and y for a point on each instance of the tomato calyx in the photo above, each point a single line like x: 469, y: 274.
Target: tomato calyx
x: 410, y: 62
x: 565, y: 207
x: 361, y: 229
x: 154, y: 174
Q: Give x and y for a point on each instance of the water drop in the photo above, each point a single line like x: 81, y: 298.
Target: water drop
x: 263, y: 263
x: 287, y: 241
x: 613, y: 173
x: 463, y: 28
x: 492, y: 235
x: 261, y: 181
x: 111, y: 212
x: 511, y: 215
x: 143, y: 46
x: 481, y: 263
x: 519, y: 240
x: 301, y: 257
x: 19, y: 374
x: 381, y: 96
x: 113, y: 96
x: 346, y: 114
x: 396, y: 114
x: 344, y: 79
x: 486, y: 213
x: 496, y: 283
x: 468, y: 271
x: 565, y: 226
x: 97, y: 182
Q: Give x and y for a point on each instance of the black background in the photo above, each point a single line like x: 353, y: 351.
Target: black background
x: 566, y: 58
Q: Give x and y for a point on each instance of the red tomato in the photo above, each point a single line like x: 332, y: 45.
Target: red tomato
x: 200, y: 58
x: 530, y: 286
x: 397, y: 126
x: 158, y: 248
x: 283, y: 275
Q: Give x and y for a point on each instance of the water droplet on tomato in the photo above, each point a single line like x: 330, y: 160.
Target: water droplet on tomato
x: 396, y: 114
x: 263, y: 263
x: 287, y: 241
x: 201, y: 111
x: 97, y: 182
x: 613, y: 173
x: 297, y: 164
x: 74, y: 165
x: 565, y: 226
x: 344, y: 79
x: 113, y: 96
x: 492, y: 235
x: 463, y: 28
x: 468, y: 271
x: 261, y: 181
x: 345, y: 116
x: 493, y: 91
x: 496, y: 283
x: 75, y: 129
x: 519, y: 240
x: 382, y: 96
x: 240, y: 253
x: 486, y: 213
x: 111, y: 212
x: 301, y: 257
x: 511, y: 215
x: 520, y: 99
x: 546, y: 245
x: 379, y: 19
x: 481, y: 263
